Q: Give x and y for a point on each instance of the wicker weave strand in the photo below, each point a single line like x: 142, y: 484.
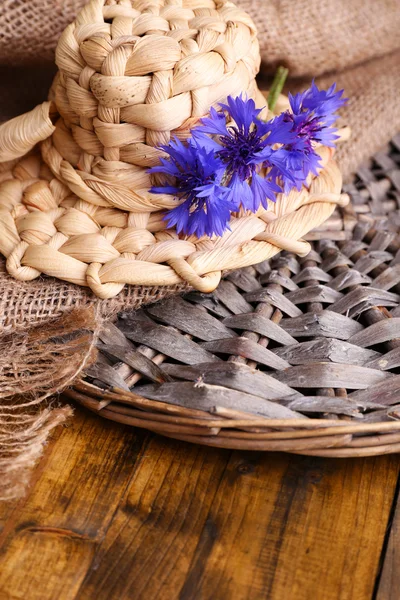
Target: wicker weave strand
x: 300, y: 355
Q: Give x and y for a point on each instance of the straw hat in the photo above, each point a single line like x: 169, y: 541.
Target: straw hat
x: 131, y: 75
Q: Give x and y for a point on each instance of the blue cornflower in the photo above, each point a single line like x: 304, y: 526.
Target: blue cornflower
x: 197, y: 178
x: 324, y: 103
x: 246, y: 162
x: 312, y: 115
x: 244, y: 147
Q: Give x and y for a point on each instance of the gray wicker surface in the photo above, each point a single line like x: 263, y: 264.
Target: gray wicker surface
x: 295, y: 354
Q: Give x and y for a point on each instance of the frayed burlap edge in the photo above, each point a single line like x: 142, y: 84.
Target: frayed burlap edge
x: 33, y: 365
x: 22, y: 449
x: 48, y: 335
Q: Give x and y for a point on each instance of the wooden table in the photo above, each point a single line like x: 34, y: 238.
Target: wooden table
x: 116, y: 513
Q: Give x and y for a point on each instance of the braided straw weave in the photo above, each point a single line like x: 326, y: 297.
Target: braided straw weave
x: 131, y: 74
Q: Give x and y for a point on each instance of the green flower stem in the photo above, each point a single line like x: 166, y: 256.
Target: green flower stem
x: 277, y: 86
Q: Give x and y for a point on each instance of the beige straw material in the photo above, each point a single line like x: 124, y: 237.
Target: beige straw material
x: 21, y: 134
x: 128, y: 80
x: 46, y: 229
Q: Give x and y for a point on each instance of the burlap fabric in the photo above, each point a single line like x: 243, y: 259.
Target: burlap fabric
x: 310, y: 37
x: 373, y: 110
x: 29, y: 29
x: 48, y: 328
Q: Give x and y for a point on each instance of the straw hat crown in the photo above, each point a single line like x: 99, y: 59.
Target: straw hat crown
x: 131, y: 73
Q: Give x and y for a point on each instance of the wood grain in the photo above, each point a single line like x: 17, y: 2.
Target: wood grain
x: 49, y: 541
x: 389, y: 582
x: 116, y: 513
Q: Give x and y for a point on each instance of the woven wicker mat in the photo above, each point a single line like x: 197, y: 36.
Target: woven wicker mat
x: 294, y: 354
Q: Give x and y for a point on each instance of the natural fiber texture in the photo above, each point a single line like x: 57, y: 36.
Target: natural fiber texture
x: 299, y: 355
x: 373, y: 110
x: 33, y: 364
x: 24, y: 433
x: 27, y: 305
x: 29, y: 29
x: 312, y: 37
x: 309, y: 36
x: 20, y: 135
x: 78, y: 213
x: 356, y: 34
x: 371, y: 87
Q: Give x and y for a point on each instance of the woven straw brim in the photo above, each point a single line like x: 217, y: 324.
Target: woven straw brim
x: 46, y: 227
x: 300, y: 355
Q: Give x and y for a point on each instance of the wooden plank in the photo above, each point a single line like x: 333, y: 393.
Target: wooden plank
x: 278, y: 527
x: 53, y: 544
x: 115, y: 514
x: 49, y: 541
x: 9, y: 510
x: 389, y: 581
x: 148, y: 551
x: 312, y: 537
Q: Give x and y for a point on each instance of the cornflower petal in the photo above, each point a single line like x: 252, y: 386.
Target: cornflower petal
x: 263, y: 190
